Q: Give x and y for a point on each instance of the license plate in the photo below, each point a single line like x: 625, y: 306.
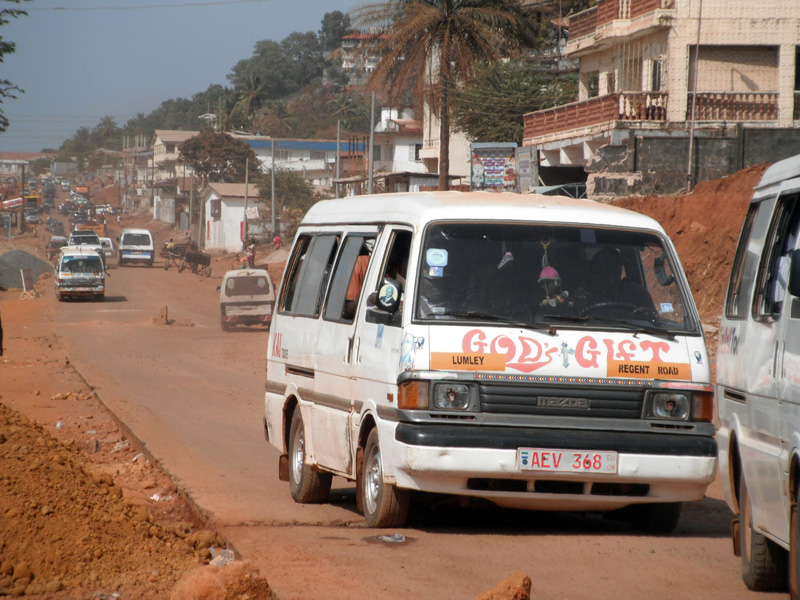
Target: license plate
x: 566, y: 461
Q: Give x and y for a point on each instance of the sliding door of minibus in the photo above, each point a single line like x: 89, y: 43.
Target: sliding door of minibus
x: 331, y: 417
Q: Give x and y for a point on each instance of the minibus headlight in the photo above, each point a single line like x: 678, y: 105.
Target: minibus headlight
x: 412, y: 395
x: 675, y: 406
x: 451, y: 396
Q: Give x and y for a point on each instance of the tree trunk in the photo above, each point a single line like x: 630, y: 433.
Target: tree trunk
x: 444, y: 125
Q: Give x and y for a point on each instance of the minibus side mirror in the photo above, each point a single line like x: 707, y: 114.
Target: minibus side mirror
x: 794, y: 274
x: 388, y: 296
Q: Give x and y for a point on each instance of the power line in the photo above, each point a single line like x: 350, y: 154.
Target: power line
x: 147, y: 6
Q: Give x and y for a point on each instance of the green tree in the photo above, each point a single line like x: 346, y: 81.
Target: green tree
x: 434, y: 46
x: 335, y: 25
x: 491, y: 107
x: 291, y: 190
x: 8, y: 89
x: 218, y: 157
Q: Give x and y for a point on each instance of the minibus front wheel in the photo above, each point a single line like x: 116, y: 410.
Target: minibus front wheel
x: 764, y: 567
x: 306, y: 485
x: 384, y: 504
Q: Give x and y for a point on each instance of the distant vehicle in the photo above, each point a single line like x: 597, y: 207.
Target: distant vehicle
x: 57, y: 228
x: 82, y: 238
x: 64, y: 185
x: 50, y: 222
x: 246, y: 297
x: 49, y: 190
x: 66, y: 208
x: 32, y: 216
x: 54, y: 245
x: 108, y: 247
x: 80, y: 273
x: 136, y: 245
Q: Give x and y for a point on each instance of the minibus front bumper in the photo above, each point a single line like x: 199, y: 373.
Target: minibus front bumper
x: 483, y: 461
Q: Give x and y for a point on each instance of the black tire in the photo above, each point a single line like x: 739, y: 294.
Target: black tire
x: 306, y: 485
x: 764, y: 563
x: 654, y: 518
x: 226, y: 326
x: 384, y: 504
x: 119, y: 262
x: 794, y: 550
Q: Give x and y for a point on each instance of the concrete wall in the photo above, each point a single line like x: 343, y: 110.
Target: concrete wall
x: 655, y: 163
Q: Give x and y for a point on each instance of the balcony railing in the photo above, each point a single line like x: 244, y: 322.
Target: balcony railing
x: 619, y: 106
x: 606, y: 11
x: 735, y: 106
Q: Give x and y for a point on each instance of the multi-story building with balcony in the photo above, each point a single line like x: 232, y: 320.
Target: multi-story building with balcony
x: 665, y: 80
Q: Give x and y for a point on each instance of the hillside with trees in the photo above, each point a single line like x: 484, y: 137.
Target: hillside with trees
x: 296, y: 88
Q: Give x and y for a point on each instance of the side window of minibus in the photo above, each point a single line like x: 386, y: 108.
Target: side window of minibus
x: 773, y: 274
x: 735, y: 304
x: 305, y: 284
x: 348, y: 278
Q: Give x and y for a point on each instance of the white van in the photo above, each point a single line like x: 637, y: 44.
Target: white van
x: 136, y: 246
x: 758, y: 384
x: 535, y: 351
x: 246, y: 297
x: 80, y: 273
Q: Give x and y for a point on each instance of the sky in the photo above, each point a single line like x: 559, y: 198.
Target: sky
x: 79, y: 60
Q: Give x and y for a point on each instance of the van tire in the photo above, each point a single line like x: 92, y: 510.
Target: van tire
x: 656, y: 518
x: 384, y: 504
x: 764, y: 563
x: 794, y: 550
x: 306, y: 485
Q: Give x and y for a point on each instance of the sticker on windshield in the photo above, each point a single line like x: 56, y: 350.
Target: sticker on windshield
x: 435, y: 271
x: 436, y: 257
x: 666, y: 307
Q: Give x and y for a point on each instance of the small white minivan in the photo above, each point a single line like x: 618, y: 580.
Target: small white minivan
x: 246, y: 297
x: 136, y: 246
x: 80, y: 273
x: 534, y: 351
x: 758, y: 384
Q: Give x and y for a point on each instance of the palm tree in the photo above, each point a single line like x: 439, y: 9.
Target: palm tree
x: 249, y: 96
x: 433, y: 45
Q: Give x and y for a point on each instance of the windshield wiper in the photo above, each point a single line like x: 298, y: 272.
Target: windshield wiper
x: 500, y: 319
x: 635, y: 327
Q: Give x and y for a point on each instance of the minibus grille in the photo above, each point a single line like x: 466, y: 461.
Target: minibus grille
x: 551, y: 401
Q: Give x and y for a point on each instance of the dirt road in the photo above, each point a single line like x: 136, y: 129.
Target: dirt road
x: 193, y: 395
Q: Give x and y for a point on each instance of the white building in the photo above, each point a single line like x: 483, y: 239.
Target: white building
x: 314, y: 159
x: 166, y: 147
x: 224, y: 214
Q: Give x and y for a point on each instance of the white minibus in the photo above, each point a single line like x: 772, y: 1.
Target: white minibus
x: 534, y: 351
x: 758, y: 384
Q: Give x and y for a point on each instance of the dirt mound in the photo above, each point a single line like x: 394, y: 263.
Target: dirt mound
x: 66, y: 525
x: 11, y: 263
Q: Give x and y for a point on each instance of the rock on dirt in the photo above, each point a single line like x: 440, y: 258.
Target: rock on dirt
x: 232, y: 582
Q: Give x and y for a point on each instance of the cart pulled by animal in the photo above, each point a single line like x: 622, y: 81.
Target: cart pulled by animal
x: 183, y: 255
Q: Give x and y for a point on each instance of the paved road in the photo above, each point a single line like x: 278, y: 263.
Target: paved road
x: 194, y: 396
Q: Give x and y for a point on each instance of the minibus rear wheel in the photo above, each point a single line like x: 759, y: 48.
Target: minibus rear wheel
x: 763, y: 561
x: 306, y: 485
x: 794, y: 555
x: 384, y: 504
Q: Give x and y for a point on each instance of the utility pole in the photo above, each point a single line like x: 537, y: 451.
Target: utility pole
x: 371, y: 141
x: 272, y: 186
x: 246, y: 180
x: 338, y: 153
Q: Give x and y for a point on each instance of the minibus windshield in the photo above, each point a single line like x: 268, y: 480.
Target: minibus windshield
x: 550, y: 275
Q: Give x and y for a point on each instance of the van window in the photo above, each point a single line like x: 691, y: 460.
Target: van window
x: 553, y: 275
x: 773, y: 273
x: 83, y: 264
x: 736, y: 305
x: 136, y: 239
x: 348, y: 278
x: 246, y: 286
x: 311, y: 263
